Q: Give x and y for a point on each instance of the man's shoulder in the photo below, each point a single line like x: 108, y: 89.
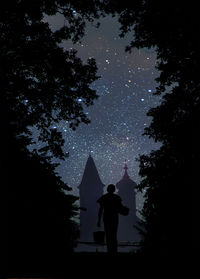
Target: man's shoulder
x: 108, y: 197
x: 111, y: 197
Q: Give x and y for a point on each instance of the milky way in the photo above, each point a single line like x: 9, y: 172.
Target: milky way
x: 118, y: 117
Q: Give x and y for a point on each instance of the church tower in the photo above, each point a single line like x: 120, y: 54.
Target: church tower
x: 90, y: 189
x: 126, y: 190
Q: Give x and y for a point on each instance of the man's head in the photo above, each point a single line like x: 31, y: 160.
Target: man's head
x: 111, y: 188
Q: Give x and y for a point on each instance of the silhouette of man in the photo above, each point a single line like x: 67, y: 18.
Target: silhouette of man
x: 109, y: 207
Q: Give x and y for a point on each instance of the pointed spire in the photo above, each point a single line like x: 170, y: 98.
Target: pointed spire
x: 90, y: 175
x: 125, y: 168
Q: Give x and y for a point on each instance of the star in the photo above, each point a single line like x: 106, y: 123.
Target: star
x: 117, y: 117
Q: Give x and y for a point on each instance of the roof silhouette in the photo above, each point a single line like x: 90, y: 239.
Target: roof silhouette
x: 90, y: 175
x: 126, y: 182
x: 90, y: 190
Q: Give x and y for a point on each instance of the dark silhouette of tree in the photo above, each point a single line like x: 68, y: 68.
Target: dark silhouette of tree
x: 41, y: 84
x: 39, y: 77
x: 41, y: 228
x: 171, y: 27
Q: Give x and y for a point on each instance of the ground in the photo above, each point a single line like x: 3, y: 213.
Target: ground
x: 100, y: 264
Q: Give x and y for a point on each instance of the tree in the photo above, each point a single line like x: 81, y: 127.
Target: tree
x: 168, y: 174
x: 30, y: 74
x: 40, y: 84
x: 41, y: 225
x: 171, y: 28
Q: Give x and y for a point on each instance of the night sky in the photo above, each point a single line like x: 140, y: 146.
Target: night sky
x: 118, y: 116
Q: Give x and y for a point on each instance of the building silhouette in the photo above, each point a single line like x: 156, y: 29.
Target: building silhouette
x: 90, y: 189
x: 127, y: 191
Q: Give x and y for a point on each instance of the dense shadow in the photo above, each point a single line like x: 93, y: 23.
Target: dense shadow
x: 41, y: 83
x: 40, y: 229
x: 103, y: 264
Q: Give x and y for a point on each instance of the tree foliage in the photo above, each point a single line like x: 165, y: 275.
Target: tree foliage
x: 168, y: 174
x: 171, y: 28
x: 38, y: 77
x: 42, y: 228
x: 41, y: 84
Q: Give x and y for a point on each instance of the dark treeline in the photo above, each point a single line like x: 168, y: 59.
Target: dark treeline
x: 169, y: 174
x: 40, y: 225
x: 39, y: 78
x: 171, y: 27
x: 40, y: 84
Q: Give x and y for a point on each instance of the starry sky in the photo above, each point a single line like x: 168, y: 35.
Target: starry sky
x: 118, y: 116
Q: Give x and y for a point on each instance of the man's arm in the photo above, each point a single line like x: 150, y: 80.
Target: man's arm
x: 99, y: 216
